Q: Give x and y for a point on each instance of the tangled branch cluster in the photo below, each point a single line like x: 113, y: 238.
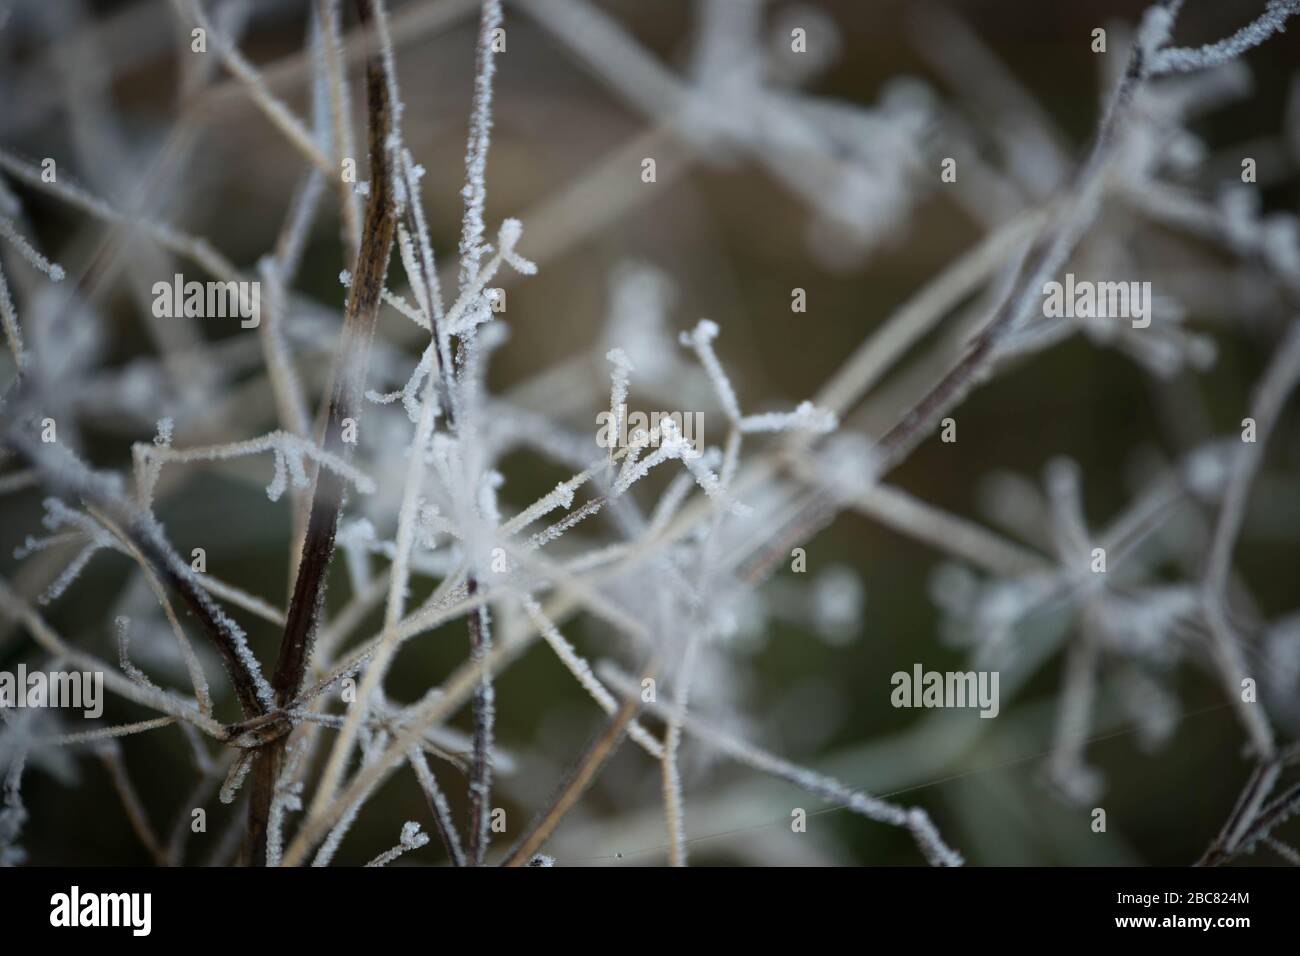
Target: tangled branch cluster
x: 664, y: 544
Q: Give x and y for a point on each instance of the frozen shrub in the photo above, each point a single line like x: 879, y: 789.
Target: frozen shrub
x: 377, y: 430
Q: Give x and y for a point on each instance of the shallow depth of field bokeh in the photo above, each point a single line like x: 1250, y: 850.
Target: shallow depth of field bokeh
x: 733, y: 242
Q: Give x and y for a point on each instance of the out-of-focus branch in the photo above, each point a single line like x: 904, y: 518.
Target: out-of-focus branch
x: 584, y: 772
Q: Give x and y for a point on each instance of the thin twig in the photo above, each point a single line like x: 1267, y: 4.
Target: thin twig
x: 65, y: 473
x: 111, y: 755
x: 583, y: 773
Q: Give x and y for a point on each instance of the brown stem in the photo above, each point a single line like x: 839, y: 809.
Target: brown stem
x: 1078, y: 216
x: 345, y: 401
x: 1252, y: 819
x: 480, y: 781
x: 973, y: 366
x: 437, y: 806
x: 344, y: 410
x: 111, y: 756
x: 65, y: 473
x: 584, y: 772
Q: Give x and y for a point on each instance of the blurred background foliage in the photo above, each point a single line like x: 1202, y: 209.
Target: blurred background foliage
x: 733, y: 242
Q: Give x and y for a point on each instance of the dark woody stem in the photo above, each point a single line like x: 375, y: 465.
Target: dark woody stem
x: 362, y: 312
